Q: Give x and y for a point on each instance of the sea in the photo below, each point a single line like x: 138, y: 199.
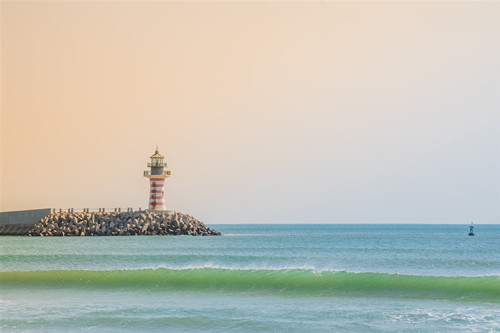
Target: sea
x: 257, y: 278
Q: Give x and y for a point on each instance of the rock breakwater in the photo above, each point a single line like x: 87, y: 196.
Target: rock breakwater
x: 120, y: 224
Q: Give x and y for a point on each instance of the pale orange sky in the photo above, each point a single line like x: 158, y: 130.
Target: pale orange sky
x: 318, y: 112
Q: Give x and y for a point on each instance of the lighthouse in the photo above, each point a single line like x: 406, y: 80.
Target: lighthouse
x: 157, y: 175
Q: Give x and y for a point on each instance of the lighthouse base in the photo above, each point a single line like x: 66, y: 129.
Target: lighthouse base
x: 157, y: 207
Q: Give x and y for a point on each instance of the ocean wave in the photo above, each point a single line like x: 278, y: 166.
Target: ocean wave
x: 287, y: 282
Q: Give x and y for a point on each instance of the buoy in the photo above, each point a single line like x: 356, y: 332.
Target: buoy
x: 471, y: 232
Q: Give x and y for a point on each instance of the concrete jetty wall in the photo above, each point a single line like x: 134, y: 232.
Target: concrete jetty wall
x: 21, y: 221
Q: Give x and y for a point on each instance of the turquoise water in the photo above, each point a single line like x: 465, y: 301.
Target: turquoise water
x: 352, y: 278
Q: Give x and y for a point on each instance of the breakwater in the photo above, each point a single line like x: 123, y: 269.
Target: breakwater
x: 120, y: 224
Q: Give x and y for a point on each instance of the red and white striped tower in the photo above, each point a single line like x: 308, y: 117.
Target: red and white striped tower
x: 157, y: 175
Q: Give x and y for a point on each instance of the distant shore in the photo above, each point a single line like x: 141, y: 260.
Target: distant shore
x: 167, y: 223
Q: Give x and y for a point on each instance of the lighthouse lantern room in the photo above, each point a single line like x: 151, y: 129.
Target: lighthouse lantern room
x: 157, y: 175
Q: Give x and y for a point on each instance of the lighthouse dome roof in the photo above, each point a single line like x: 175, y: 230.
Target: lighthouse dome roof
x: 157, y: 154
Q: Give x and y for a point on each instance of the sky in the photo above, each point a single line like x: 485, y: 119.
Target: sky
x: 266, y: 112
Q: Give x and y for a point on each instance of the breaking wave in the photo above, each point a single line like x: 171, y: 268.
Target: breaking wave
x: 287, y: 282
